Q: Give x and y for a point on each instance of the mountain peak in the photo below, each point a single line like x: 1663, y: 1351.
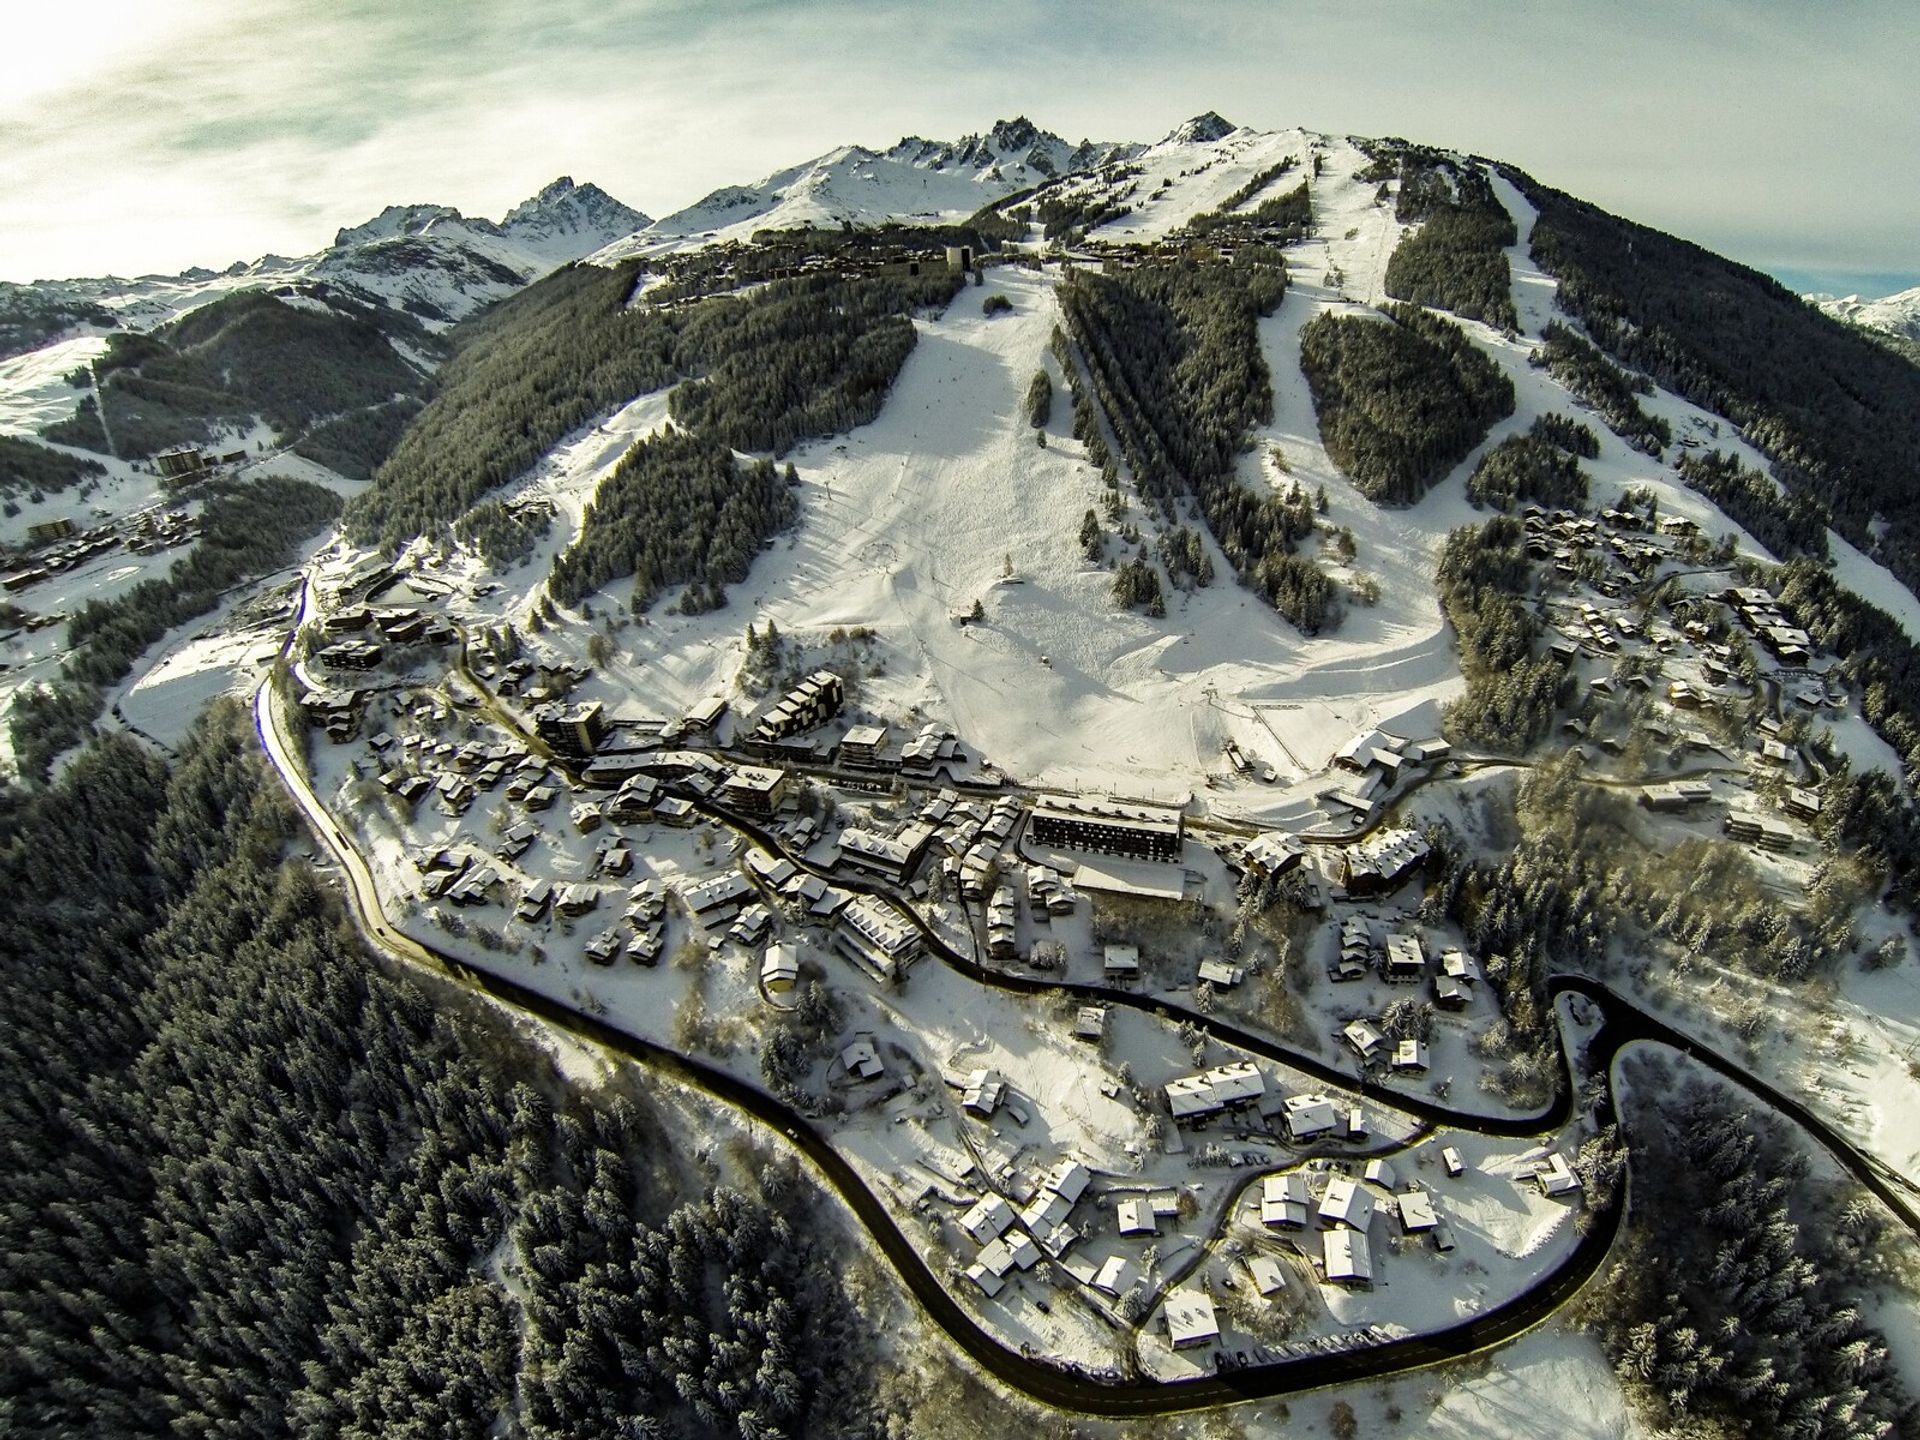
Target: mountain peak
x: 1203, y: 129
x: 566, y: 208
x: 394, y: 222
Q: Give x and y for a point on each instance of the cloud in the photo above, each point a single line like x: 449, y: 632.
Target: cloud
x: 197, y: 133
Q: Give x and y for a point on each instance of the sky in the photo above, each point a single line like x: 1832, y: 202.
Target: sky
x: 144, y: 136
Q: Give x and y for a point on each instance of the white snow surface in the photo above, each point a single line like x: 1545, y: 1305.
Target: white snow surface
x: 1895, y: 314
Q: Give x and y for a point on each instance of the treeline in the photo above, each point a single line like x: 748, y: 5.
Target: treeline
x: 1069, y: 216
x: 1400, y: 402
x: 1870, y: 813
x: 503, y: 537
x: 1207, y: 223
x: 1735, y: 1305
x: 1457, y: 259
x: 800, y: 358
x: 244, y: 354
x: 256, y: 1186
x: 677, y: 509
x: 804, y: 359
x: 1786, y: 523
x: 1528, y: 469
x: 1038, y: 404
x: 355, y: 444
x: 1174, y: 352
x: 27, y: 468
x: 1582, y: 884
x: 1603, y: 385
x: 522, y: 374
x: 1512, y: 695
x: 1568, y: 433
x: 246, y: 530
x: 1837, y: 413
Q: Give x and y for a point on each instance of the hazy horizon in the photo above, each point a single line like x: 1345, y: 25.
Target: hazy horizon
x: 147, y: 138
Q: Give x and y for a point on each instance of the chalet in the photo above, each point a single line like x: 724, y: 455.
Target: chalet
x: 1116, y: 1277
x: 754, y: 790
x: 1450, y: 1157
x: 1555, y: 1177
x: 1220, y: 975
x: 516, y: 840
x: 535, y: 901
x: 988, y: 1219
x: 989, y: 1283
x: 475, y: 887
x: 861, y: 1061
x: 1190, y: 1318
x: 1142, y: 832
x: 576, y: 899
x: 586, y: 817
x: 675, y: 812
x: 876, y: 937
x: 1283, y: 1201
x: 1135, y: 1217
x: 1406, y: 961
x: 704, y: 716
x: 862, y: 747
x: 1416, y: 1211
x: 1310, y: 1116
x: 541, y: 797
x: 1121, y: 962
x: 983, y: 1092
x: 1090, y: 1024
x: 1274, y: 853
x: 1364, y: 1040
x: 633, y: 803
x: 1345, y: 1258
x: 604, y: 947
x: 644, y: 948
x: 1267, y: 1276
x: 752, y: 926
x: 1410, y: 1055
x: 891, y: 857
x: 771, y: 870
x: 572, y: 730
x: 716, y: 901
x: 1345, y: 1203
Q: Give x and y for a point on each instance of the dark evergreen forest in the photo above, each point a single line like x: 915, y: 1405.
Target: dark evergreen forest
x: 255, y: 1185
x: 27, y: 468
x: 678, y: 509
x: 1174, y: 354
x: 1837, y: 412
x: 1456, y: 260
x: 1400, y: 401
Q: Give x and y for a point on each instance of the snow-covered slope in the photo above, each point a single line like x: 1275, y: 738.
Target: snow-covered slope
x: 1896, y: 314
x: 915, y: 181
x: 427, y: 259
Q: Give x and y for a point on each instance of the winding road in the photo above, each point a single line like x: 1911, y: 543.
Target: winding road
x: 1068, y: 1388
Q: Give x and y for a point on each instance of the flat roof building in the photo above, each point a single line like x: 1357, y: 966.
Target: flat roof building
x: 1087, y: 822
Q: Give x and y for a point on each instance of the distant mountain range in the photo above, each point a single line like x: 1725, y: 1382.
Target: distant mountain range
x: 1897, y: 315
x: 428, y: 260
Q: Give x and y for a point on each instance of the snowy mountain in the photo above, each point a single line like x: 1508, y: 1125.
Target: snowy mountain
x: 1895, y: 314
x: 429, y: 260
x: 915, y: 180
